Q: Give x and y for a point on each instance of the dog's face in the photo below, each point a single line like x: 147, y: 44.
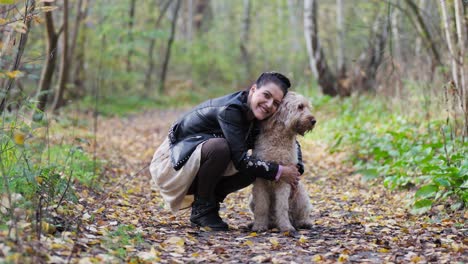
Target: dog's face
x: 294, y: 113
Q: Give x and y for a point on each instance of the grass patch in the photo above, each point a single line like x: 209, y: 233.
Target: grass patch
x: 124, y: 236
x: 179, y: 96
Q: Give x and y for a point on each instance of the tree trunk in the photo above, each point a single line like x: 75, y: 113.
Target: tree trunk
x: 244, y: 40
x: 79, y: 55
x: 130, y: 36
x: 418, y: 42
x: 49, y: 65
x: 396, y: 38
x: 168, y: 50
x: 365, y: 79
x: 202, y: 13
x: 190, y: 20
x: 424, y: 31
x: 465, y: 11
x: 76, y: 28
x: 317, y: 61
x: 462, y: 89
x: 150, y: 69
x: 29, y: 8
x: 341, y: 64
x: 59, y: 100
x: 446, y: 23
x: 296, y: 43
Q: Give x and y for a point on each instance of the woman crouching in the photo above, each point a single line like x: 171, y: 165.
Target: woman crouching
x: 205, y: 155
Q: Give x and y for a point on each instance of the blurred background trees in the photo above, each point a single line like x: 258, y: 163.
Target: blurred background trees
x: 199, y: 48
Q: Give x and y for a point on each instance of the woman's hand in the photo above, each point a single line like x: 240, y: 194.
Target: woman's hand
x: 290, y: 174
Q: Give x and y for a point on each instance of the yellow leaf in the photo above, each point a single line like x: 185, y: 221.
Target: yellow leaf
x: 14, y: 74
x: 343, y: 258
x: 100, y: 210
x: 38, y: 19
x: 19, y: 138
x: 455, y: 247
x: 274, y: 241
x: 58, y: 246
x: 39, y: 179
x: 253, y: 234
x: 152, y: 255
x: 3, y: 21
x: 383, y: 250
x: 317, y: 258
x: 93, y: 242
x: 14, y: 258
x: 48, y: 228
x: 175, y: 240
x: 416, y: 259
x: 302, y: 239
x: 248, y: 243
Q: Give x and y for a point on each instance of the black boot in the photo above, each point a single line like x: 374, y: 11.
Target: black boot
x: 205, y: 214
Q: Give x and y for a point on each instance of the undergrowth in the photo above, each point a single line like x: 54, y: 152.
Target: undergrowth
x: 39, y: 172
x: 400, y: 150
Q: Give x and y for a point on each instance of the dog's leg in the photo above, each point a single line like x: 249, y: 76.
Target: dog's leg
x: 301, y: 208
x: 282, y: 192
x: 260, y: 205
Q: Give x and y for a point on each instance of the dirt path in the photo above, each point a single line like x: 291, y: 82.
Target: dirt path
x: 353, y: 222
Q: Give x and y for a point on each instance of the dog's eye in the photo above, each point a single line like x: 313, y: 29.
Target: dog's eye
x: 300, y: 107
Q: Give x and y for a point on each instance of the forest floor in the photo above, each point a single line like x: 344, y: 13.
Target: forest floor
x: 353, y: 221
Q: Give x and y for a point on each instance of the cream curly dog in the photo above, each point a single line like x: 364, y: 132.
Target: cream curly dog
x: 272, y: 203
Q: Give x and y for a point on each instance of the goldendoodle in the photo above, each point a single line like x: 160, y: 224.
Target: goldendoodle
x: 272, y: 203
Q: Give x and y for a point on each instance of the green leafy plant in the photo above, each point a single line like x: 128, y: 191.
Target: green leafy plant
x: 402, y: 152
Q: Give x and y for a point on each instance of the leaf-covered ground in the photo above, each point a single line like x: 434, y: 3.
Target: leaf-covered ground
x: 125, y: 221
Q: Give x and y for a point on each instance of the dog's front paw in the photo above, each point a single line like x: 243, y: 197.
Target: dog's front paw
x: 287, y: 228
x: 305, y: 225
x: 257, y: 227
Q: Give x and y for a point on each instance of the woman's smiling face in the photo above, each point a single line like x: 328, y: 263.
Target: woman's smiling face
x: 265, y: 100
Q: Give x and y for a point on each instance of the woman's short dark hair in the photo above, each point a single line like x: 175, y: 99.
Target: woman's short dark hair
x: 276, y: 78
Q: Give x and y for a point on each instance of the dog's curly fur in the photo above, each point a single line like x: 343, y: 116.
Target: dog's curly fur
x: 272, y: 203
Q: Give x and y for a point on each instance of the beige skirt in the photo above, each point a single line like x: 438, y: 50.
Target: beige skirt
x: 173, y: 185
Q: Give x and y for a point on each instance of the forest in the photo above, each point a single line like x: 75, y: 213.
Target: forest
x: 90, y: 89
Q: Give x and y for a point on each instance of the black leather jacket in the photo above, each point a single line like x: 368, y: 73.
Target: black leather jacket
x: 224, y: 117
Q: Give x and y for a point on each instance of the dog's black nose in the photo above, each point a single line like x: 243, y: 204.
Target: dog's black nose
x: 313, y: 121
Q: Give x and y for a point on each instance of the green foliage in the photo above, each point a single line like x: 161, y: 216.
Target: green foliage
x: 119, y: 105
x: 400, y: 150
x: 124, y: 105
x: 125, y: 235
x: 36, y: 169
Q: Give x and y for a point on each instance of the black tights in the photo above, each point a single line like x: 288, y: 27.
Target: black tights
x: 209, y: 184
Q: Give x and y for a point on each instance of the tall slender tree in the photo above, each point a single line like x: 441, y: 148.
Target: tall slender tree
x: 460, y: 56
x: 28, y: 9
x: 317, y: 60
x: 131, y: 22
x: 150, y: 67
x: 48, y: 69
x: 59, y: 99
x: 168, y: 49
x: 244, y: 39
x: 341, y: 65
